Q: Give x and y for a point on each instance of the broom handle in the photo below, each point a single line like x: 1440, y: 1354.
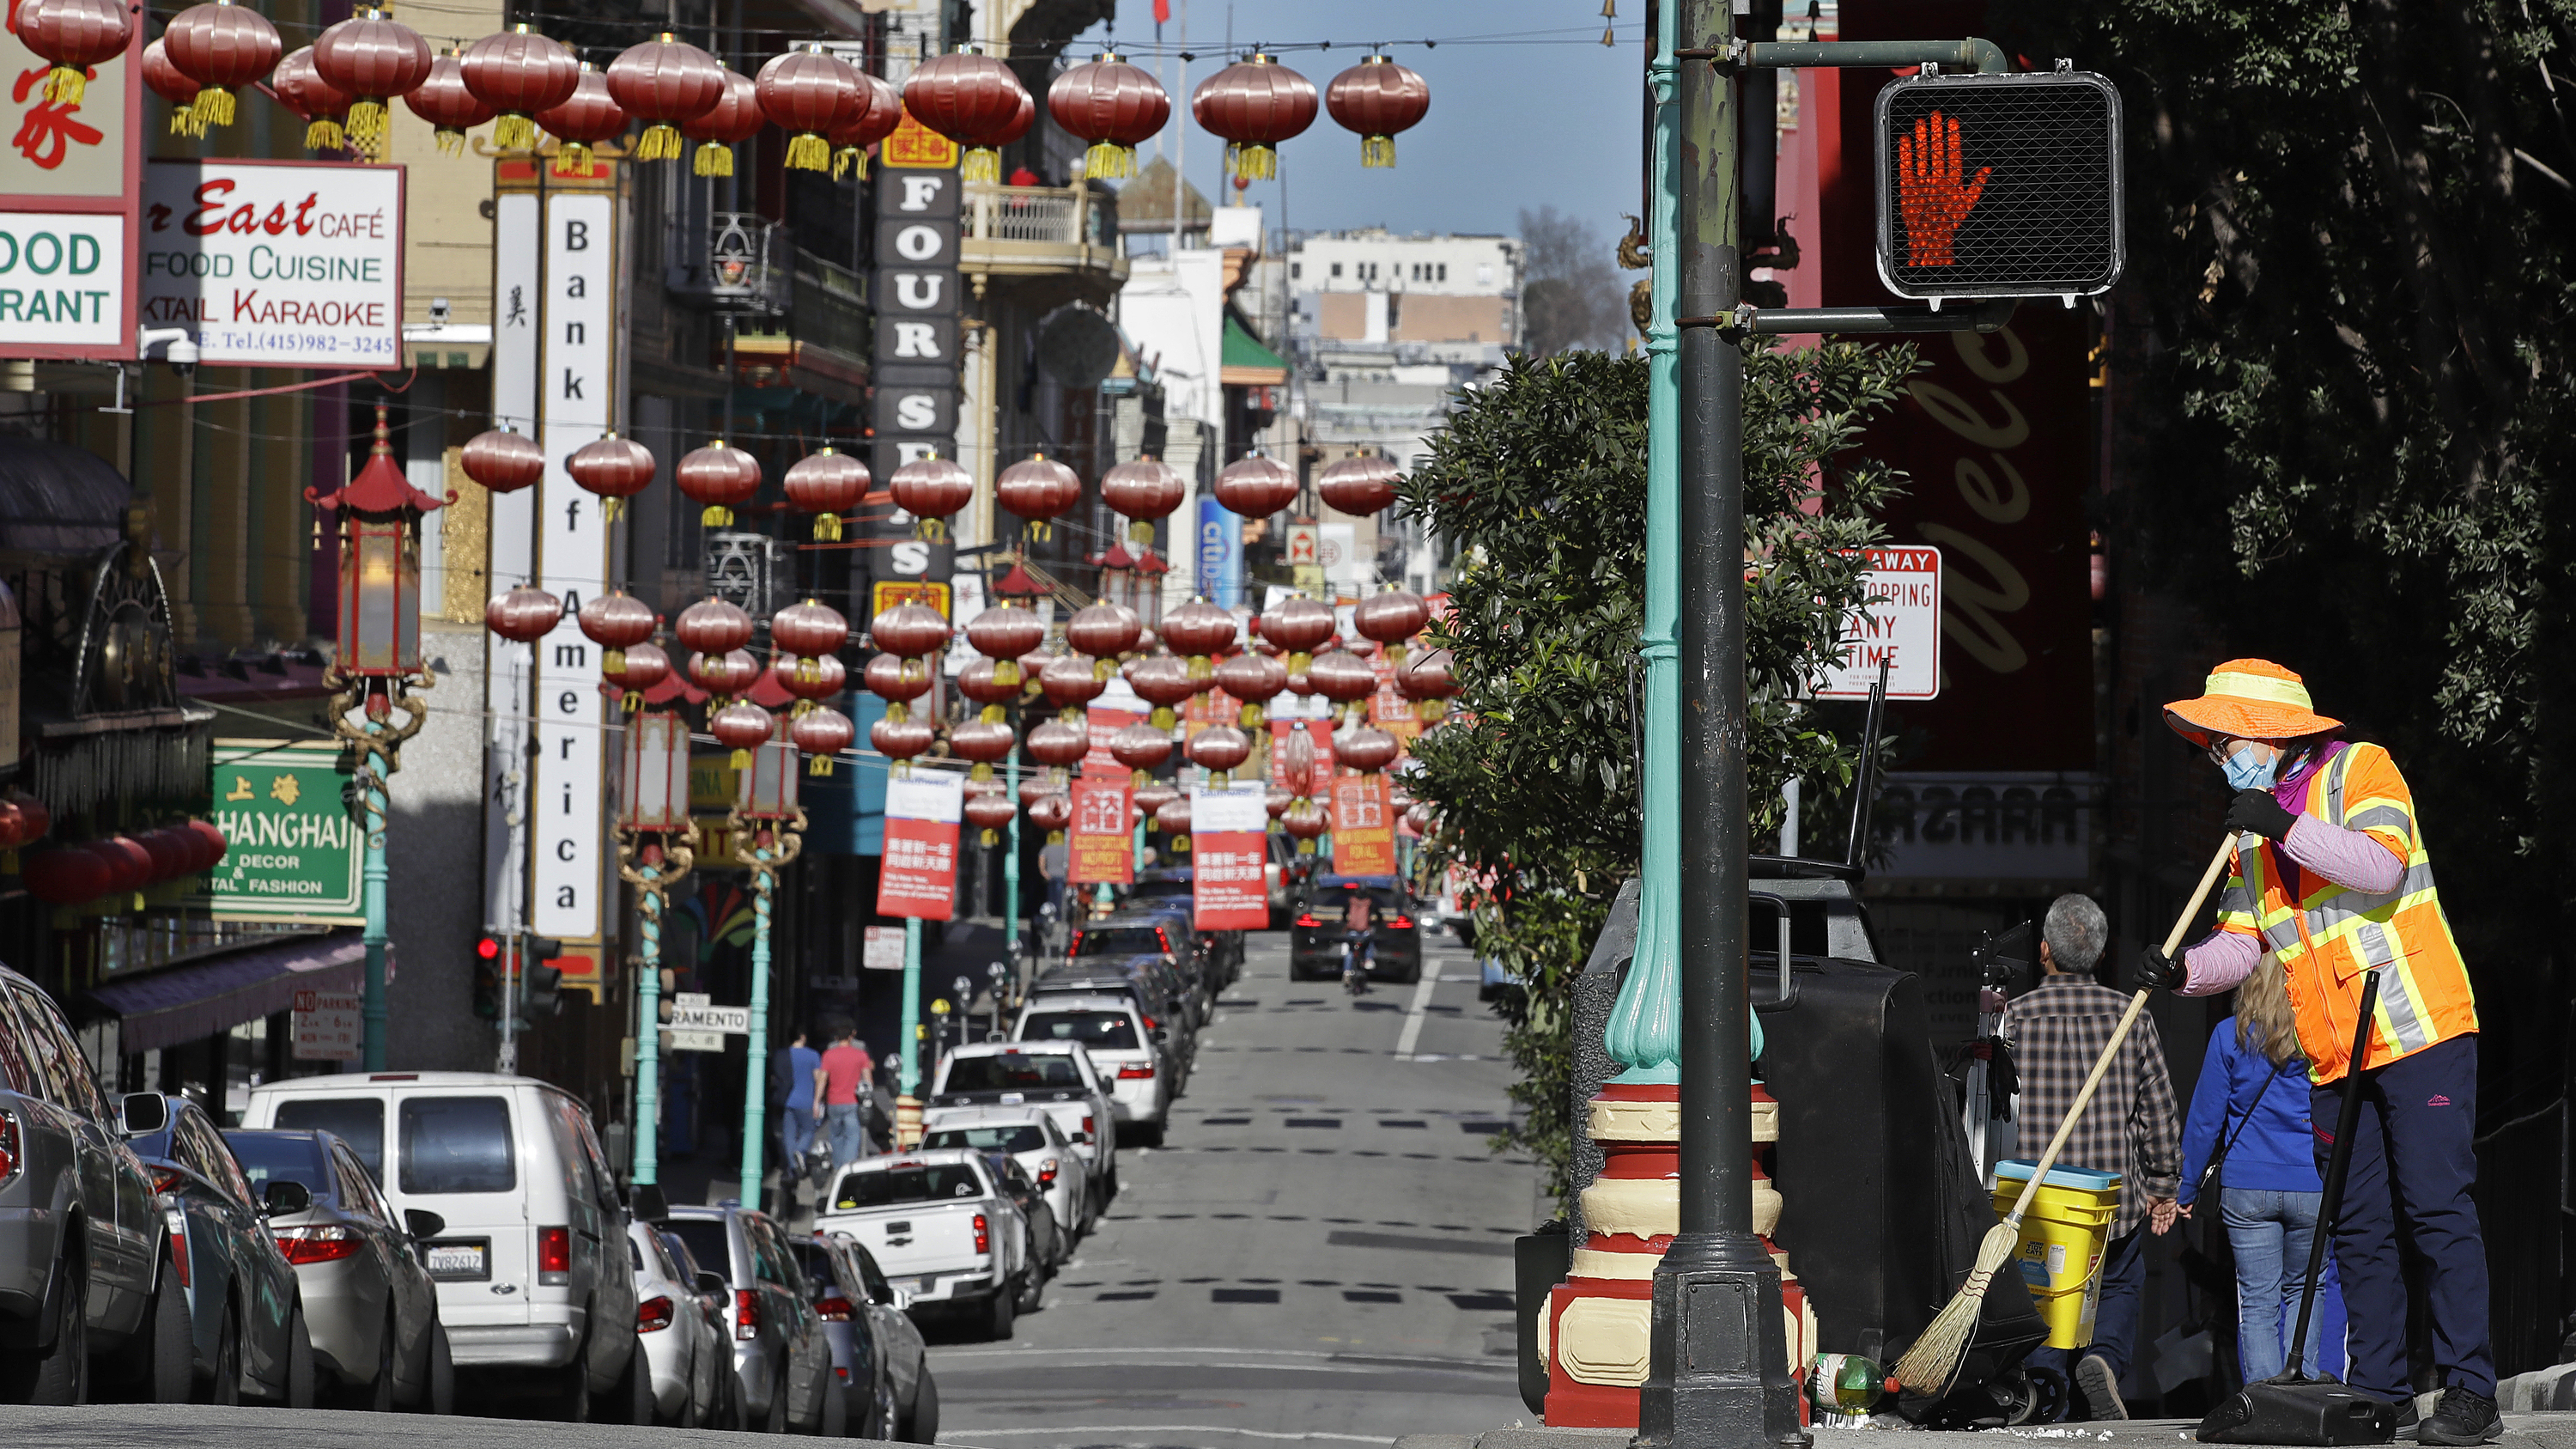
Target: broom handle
x: 2119, y: 1034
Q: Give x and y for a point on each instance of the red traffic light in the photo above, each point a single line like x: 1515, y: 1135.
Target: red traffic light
x: 488, y: 948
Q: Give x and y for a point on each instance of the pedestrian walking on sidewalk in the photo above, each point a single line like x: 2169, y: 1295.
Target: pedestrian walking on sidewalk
x: 845, y: 1076
x: 795, y: 1075
x: 2332, y: 876
x: 2248, y: 1149
x: 2057, y: 1030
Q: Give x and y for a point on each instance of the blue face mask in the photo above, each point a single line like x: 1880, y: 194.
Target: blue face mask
x: 2248, y: 770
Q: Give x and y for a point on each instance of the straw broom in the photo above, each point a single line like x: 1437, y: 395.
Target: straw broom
x: 1930, y: 1365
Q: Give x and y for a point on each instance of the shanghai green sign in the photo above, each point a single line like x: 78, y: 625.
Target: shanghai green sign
x: 295, y: 851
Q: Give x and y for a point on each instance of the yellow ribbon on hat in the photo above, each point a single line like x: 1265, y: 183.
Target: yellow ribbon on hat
x: 2260, y: 686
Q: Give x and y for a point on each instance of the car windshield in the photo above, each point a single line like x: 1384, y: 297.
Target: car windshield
x: 283, y: 1157
x: 1002, y: 1137
x: 816, y: 1260
x: 1337, y: 899
x: 1011, y: 1072
x: 908, y: 1182
x: 1120, y: 941
x: 1098, y: 1030
x: 457, y: 1144
x: 707, y: 1241
x: 358, y: 1121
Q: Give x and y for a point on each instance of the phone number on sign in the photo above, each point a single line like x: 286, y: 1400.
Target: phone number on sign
x: 225, y: 341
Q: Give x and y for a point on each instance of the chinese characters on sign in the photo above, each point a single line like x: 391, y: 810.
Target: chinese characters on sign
x: 1363, y: 826
x: 1100, y: 847
x: 919, y: 874
x: 276, y: 264
x: 1228, y: 848
x: 69, y: 178
x: 295, y: 851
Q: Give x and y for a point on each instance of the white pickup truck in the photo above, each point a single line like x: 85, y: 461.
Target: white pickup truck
x: 941, y: 1225
x: 1058, y: 1076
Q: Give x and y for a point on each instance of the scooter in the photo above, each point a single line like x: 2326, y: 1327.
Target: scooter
x: 1356, y: 953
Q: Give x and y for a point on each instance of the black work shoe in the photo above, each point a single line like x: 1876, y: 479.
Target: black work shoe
x: 2101, y: 1388
x: 2407, y: 1418
x: 2464, y: 1416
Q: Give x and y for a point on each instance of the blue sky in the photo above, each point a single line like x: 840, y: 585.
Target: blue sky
x: 1549, y: 118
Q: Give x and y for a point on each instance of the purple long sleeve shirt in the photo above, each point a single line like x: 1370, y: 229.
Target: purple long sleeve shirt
x: 2352, y: 859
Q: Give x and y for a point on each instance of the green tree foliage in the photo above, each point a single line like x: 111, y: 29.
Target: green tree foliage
x: 1538, y: 485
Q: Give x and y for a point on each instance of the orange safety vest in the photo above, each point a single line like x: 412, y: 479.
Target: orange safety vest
x: 2328, y: 938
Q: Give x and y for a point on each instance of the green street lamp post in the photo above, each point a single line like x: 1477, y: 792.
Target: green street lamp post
x: 657, y: 842
x: 767, y: 827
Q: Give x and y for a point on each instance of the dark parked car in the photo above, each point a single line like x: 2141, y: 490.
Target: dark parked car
x: 248, y: 1326
x: 1157, y: 989
x: 856, y: 1293
x: 88, y: 1284
x: 780, y: 1353
x: 1315, y: 940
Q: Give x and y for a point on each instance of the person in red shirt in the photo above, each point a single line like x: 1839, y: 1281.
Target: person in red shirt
x: 845, y: 1075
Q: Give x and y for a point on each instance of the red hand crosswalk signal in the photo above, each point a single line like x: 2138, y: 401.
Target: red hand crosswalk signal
x: 1999, y: 185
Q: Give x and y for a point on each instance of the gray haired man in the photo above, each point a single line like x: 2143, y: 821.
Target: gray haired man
x: 2057, y: 1030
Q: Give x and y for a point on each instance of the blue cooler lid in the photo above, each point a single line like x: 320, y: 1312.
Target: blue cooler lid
x: 2077, y: 1177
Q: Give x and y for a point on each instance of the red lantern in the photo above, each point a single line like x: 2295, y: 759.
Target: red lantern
x: 66, y: 876
x: 826, y: 484
x: 171, y: 84
x: 612, y: 467
x: 641, y: 667
x: 1037, y: 488
x: 983, y: 741
x: 616, y: 621
x: 810, y: 677
x: 1377, y: 98
x: 1429, y: 680
x: 504, y: 460
x: 662, y: 82
x: 1255, y: 104
x: 1058, y: 743
x: 582, y: 120
x: 892, y: 677
x: 1255, y: 679
x: 442, y: 100
x: 212, y: 847
x: 734, y: 118
x: 222, y: 47
x: 910, y: 630
x: 901, y: 739
x: 1198, y: 629
x: 519, y: 73
x: 1002, y: 634
x: 1359, y: 486
x: 809, y: 630
x: 977, y: 683
x: 967, y: 97
x: 821, y: 733
x: 1342, y: 677
x: 851, y: 139
x: 1220, y: 748
x: 169, y: 851
x: 990, y: 814
x: 807, y: 93
x: 1143, y: 490
x: 129, y: 865
x: 1276, y: 801
x: 374, y: 58
x: 1141, y: 746
x: 1391, y: 618
x: 1256, y: 486
x: 1299, y: 625
x: 1104, y: 631
x: 1367, y: 749
x: 1420, y: 817
x: 299, y: 87
x: 1172, y: 817
x: 1163, y: 681
x: 719, y: 476
x: 930, y: 489
x: 742, y: 727
x: 725, y: 675
x: 74, y: 35
x: 1016, y: 127
x: 712, y: 626
x: 1052, y: 814
x: 523, y: 615
x: 1069, y: 682
x: 1114, y: 106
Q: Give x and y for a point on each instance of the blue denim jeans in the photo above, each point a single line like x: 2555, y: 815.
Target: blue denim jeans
x: 795, y: 1134
x: 2271, y: 1233
x: 849, y: 1138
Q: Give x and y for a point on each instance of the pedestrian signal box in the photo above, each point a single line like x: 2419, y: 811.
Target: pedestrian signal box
x: 1999, y: 185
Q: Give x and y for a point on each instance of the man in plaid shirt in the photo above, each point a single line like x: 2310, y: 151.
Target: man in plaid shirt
x: 2057, y: 1030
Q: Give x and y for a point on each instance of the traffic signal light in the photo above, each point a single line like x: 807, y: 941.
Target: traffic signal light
x: 1999, y: 185
x: 487, y: 978
x: 540, y: 985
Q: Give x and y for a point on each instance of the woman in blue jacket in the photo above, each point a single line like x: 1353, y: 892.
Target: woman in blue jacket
x: 2250, y: 1110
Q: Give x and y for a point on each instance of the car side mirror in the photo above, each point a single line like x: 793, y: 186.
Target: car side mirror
x: 711, y: 1281
x: 902, y: 1297
x: 422, y: 1223
x: 144, y: 1112
x: 284, y: 1198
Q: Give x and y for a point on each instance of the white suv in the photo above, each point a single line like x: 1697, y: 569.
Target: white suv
x: 1058, y: 1077
x: 1129, y: 1054
x: 534, y: 1281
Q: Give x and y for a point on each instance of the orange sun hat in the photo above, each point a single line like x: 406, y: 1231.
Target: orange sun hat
x: 2249, y: 699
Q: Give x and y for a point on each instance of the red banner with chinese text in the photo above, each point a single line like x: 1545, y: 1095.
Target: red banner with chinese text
x: 1363, y: 827
x: 1102, y: 846
x: 1104, y: 725
x: 918, y: 877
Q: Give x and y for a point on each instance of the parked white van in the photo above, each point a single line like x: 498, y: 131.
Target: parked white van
x: 534, y: 1283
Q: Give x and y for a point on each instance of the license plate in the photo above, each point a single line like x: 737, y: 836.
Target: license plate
x: 929, y: 1281
x: 453, y: 1262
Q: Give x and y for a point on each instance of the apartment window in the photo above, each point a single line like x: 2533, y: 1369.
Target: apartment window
x: 1444, y: 271
x: 1484, y: 274
x: 1296, y: 270
x: 1337, y: 269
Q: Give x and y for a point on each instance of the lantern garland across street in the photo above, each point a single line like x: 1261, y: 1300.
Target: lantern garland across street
x: 664, y: 82
x: 223, y: 47
x: 972, y: 99
x: 735, y: 118
x: 1377, y: 98
x: 1254, y: 104
x: 1114, y: 106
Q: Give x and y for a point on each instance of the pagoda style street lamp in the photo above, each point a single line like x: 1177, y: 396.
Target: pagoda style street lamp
x: 378, y: 666
x: 767, y: 828
x: 657, y: 843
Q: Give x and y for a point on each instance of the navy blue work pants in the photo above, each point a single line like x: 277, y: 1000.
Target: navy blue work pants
x: 2115, y: 1313
x: 2412, y: 1156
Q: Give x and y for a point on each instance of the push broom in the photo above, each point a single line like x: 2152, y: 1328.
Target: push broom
x: 1930, y: 1365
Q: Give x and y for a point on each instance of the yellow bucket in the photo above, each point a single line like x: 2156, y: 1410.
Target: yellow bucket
x: 2063, y: 1237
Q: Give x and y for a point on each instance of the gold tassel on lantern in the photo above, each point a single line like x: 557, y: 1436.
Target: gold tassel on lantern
x: 930, y: 530
x: 1102, y: 668
x: 212, y: 107
x: 633, y: 701
x: 992, y: 714
x: 1377, y: 150
x: 991, y: 839
x: 1006, y: 671
x: 368, y: 125
x: 819, y: 765
x: 514, y: 133
x: 613, y: 662
x: 827, y: 528
x: 717, y: 516
x: 184, y: 122
x: 324, y: 134
x: 846, y: 158
x: 1108, y: 158
x: 450, y: 141
x: 808, y: 672
x: 1201, y: 667
x: 809, y: 152
x: 982, y: 163
x: 981, y: 773
x: 897, y: 711
x: 572, y: 158
x: 741, y: 760
x: 661, y: 142
x: 66, y: 84
x: 1254, y: 162
x: 1250, y: 717
x: 1055, y: 837
x: 1162, y: 717
x: 715, y: 158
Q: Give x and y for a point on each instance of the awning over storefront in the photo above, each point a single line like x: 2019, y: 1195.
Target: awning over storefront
x: 58, y: 499
x: 218, y: 994
x: 1245, y: 362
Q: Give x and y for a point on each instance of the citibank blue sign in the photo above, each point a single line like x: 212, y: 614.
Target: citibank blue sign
x: 1220, y: 554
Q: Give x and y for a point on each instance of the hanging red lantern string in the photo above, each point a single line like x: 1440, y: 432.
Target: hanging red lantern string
x: 821, y: 732
x: 1002, y: 634
x: 664, y: 82
x: 967, y: 97
x: 1035, y: 489
x: 1254, y: 104
x: 74, y: 35
x: 641, y: 667
x: 1391, y: 618
x: 1254, y: 679
x: 172, y: 84
x: 519, y: 73
x: 908, y: 633
x: 812, y: 631
x: 734, y: 118
x: 1197, y: 631
x: 1377, y: 98
x: 616, y: 621
x: 300, y: 88
x: 1358, y: 486
x: 1114, y: 106
x: 1142, y: 490
x: 826, y: 484
x: 718, y: 476
x: 222, y: 47
x: 582, y: 120
x: 1300, y: 626
x: 1104, y: 631
x: 807, y: 92
x: 503, y: 459
x: 613, y: 468
x: 710, y: 629
x: 930, y: 489
x: 374, y: 58
x: 851, y: 139
x: 523, y: 615
x: 1256, y: 486
x: 443, y: 100
x: 742, y: 727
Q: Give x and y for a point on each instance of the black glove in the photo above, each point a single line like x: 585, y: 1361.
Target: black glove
x: 2158, y: 971
x: 2257, y: 812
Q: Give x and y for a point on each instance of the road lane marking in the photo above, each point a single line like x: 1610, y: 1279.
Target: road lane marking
x: 1413, y: 1017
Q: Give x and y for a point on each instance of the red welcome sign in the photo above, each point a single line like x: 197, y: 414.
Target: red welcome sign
x: 918, y: 877
x: 1229, y: 845
x: 1101, y: 847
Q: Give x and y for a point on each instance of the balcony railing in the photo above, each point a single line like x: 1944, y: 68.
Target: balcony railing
x: 1029, y: 230
x: 748, y: 266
